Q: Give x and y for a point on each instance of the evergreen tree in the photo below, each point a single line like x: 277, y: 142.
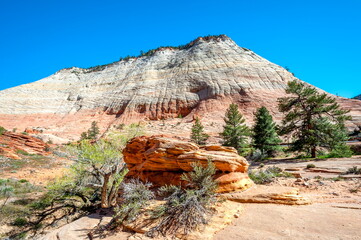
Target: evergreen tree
x: 312, y: 119
x: 235, y: 131
x: 198, y: 136
x: 265, y: 137
x: 92, y: 132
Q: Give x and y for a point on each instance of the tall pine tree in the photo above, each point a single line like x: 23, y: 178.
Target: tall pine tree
x: 235, y: 131
x: 265, y: 137
x: 313, y: 120
x: 198, y: 136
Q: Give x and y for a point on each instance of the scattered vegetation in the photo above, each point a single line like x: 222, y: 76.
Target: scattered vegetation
x: 198, y: 135
x: 151, y: 52
x: 235, y: 131
x: 268, y: 175
x: 312, y: 119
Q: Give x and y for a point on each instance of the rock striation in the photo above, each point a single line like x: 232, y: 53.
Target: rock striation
x: 162, y: 160
x: 201, y: 78
x: 11, y: 143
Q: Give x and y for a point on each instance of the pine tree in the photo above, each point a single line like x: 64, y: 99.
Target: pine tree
x: 265, y: 137
x: 312, y: 119
x: 235, y: 131
x: 198, y: 136
x: 92, y: 132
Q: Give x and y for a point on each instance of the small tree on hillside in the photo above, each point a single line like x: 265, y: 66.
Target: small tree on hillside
x: 92, y: 133
x: 235, y: 131
x: 312, y: 119
x: 265, y: 137
x: 198, y: 136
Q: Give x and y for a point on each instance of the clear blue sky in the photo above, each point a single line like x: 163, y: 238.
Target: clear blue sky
x: 319, y: 40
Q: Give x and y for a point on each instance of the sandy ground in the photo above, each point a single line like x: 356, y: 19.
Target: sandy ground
x: 316, y: 221
x: 334, y: 214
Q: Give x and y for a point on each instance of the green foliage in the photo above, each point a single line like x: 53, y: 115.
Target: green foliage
x: 340, y: 151
x: 100, y: 167
x: 92, y: 133
x: 186, y: 209
x: 312, y: 119
x: 354, y: 170
x: 265, y: 137
x: 16, y: 188
x: 20, y: 222
x: 235, y: 131
x: 310, y: 165
x: 2, y: 130
x: 136, y: 196
x: 198, y: 135
x: 22, y: 152
x: 268, y: 175
x: 257, y: 155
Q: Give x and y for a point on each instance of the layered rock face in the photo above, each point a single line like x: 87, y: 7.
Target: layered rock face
x: 201, y: 78
x: 11, y: 142
x: 162, y: 161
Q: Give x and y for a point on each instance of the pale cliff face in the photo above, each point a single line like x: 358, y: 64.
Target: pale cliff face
x: 201, y: 79
x: 170, y: 81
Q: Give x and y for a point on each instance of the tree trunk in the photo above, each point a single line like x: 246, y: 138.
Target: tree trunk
x: 104, y: 194
x: 313, y: 152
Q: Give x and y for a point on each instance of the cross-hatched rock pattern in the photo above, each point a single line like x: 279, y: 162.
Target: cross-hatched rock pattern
x: 201, y: 79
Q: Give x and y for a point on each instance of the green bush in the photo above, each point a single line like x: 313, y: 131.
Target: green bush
x: 2, y: 130
x: 20, y: 222
x: 186, y: 209
x: 268, y: 175
x: 310, y: 165
x: 354, y: 170
x: 136, y: 195
x: 356, y: 149
x: 340, y: 151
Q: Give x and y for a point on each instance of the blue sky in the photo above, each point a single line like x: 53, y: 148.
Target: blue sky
x: 320, y: 41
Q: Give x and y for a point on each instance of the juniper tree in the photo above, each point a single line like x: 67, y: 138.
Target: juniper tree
x: 198, y: 136
x: 235, y: 131
x: 265, y: 137
x: 312, y: 119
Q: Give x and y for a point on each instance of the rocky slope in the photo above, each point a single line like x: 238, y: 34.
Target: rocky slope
x: 358, y: 97
x: 201, y: 78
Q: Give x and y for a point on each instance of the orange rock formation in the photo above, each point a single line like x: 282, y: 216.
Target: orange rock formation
x: 11, y: 142
x: 162, y: 160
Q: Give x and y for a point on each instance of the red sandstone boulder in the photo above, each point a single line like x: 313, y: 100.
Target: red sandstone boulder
x: 163, y: 160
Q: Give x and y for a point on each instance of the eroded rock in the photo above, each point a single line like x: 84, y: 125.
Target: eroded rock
x: 162, y: 160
